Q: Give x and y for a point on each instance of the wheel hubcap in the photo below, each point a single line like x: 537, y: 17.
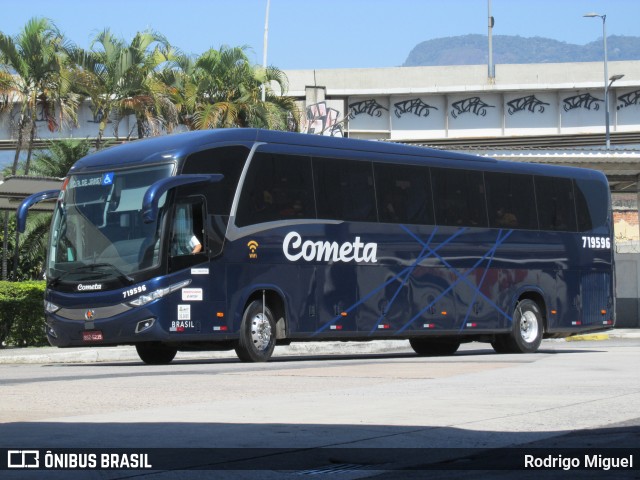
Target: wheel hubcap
x: 260, y: 331
x: 528, y: 326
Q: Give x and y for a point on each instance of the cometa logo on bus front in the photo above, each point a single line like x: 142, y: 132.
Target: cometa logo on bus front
x: 295, y: 249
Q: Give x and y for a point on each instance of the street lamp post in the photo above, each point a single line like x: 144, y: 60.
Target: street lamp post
x: 264, y: 48
x: 607, y: 85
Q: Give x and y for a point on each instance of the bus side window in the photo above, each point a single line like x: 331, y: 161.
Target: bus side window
x: 344, y: 189
x: 555, y: 200
x: 277, y: 187
x: 511, y: 200
x: 592, y: 203
x: 228, y: 161
x: 404, y: 194
x: 459, y: 197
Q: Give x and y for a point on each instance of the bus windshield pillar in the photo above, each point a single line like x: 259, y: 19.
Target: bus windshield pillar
x: 154, y: 192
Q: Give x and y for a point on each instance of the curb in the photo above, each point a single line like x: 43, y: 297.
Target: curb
x: 590, y: 337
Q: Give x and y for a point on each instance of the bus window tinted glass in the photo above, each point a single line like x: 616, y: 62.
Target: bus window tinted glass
x: 277, y: 187
x: 510, y: 201
x: 556, y: 209
x: 404, y: 194
x: 459, y: 197
x: 228, y: 161
x: 344, y: 190
x: 592, y: 203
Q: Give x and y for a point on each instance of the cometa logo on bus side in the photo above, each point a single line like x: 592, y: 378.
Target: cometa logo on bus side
x: 295, y: 249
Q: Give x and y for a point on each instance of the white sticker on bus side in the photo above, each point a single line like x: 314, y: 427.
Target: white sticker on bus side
x: 184, y: 312
x: 191, y: 294
x: 199, y: 271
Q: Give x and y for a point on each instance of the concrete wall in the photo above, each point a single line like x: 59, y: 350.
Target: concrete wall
x: 627, y: 290
x: 419, y: 103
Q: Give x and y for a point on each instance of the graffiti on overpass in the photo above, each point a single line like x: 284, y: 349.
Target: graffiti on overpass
x: 368, y: 107
x: 628, y: 99
x: 470, y: 105
x: 415, y: 106
x: 322, y: 120
x: 584, y: 100
x: 530, y: 103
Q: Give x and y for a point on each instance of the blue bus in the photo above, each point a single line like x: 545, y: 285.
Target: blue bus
x: 246, y: 239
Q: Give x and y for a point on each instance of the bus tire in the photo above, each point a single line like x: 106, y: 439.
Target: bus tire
x: 526, y: 334
x: 257, y: 334
x: 430, y: 347
x: 156, y: 353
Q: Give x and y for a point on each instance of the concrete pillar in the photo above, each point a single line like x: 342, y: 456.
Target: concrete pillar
x: 638, y: 201
x: 314, y: 95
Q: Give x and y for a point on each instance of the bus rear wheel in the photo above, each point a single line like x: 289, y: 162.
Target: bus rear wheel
x: 526, y: 334
x: 429, y: 347
x: 156, y: 353
x: 257, y: 334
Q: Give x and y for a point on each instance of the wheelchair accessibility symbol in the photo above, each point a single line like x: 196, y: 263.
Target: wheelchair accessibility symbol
x: 107, y: 178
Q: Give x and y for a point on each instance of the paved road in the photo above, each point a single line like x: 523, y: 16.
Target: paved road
x: 362, y: 406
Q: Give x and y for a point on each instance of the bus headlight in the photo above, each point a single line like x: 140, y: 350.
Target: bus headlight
x: 151, y: 296
x: 50, y: 307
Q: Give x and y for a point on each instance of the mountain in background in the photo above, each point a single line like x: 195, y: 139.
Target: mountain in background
x: 473, y: 50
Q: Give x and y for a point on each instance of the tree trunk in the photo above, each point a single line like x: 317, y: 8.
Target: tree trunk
x: 21, y: 124
x: 16, y: 247
x: 32, y: 136
x: 5, y: 245
x: 14, y: 170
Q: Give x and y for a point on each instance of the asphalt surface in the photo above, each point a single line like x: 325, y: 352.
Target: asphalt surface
x: 128, y: 353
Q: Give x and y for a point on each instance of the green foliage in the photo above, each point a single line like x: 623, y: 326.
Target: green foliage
x: 59, y: 156
x: 22, y: 314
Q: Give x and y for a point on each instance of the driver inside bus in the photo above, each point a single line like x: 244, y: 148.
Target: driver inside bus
x: 184, y: 241
x: 195, y: 245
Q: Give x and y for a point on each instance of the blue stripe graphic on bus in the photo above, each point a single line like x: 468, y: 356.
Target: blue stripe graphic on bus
x: 406, y: 277
x: 408, y: 269
x: 478, y: 292
x: 461, y: 278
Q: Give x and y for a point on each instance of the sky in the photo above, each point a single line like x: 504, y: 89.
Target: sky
x: 305, y: 34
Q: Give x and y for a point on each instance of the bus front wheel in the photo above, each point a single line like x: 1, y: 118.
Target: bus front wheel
x: 429, y: 347
x: 257, y: 334
x: 527, y: 331
x: 155, y: 353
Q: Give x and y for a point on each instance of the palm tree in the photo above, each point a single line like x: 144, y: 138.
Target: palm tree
x: 59, y: 156
x: 36, y: 78
x: 119, y: 80
x: 222, y: 89
x: 54, y: 161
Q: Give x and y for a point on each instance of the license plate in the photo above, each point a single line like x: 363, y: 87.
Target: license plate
x: 92, y: 336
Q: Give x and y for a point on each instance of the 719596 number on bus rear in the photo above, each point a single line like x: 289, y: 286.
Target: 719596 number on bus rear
x: 598, y: 243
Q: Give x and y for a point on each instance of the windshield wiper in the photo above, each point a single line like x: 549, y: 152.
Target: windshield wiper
x: 91, y: 267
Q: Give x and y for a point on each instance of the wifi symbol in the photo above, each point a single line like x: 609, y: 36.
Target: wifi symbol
x: 253, y: 246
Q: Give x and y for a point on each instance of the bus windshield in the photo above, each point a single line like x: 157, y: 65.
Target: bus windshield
x: 97, y: 230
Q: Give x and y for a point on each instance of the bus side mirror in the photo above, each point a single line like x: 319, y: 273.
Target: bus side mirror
x: 23, y: 208
x: 155, y: 191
